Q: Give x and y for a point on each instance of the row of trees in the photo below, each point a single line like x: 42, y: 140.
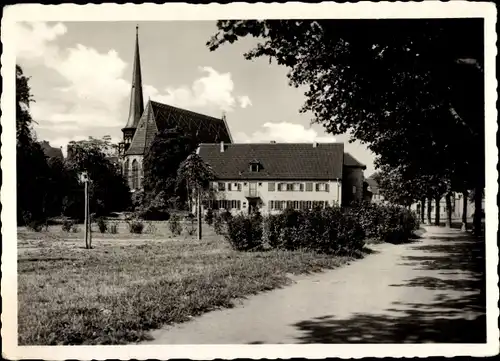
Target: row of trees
x: 412, y: 90
x: 48, y: 187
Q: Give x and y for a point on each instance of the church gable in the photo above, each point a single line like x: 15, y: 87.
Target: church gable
x: 145, y: 132
x: 158, y: 117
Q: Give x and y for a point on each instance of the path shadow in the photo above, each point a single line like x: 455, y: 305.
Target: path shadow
x: 455, y: 272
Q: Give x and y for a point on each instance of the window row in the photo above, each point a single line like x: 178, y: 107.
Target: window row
x: 299, y: 205
x: 222, y: 204
x: 280, y: 187
x: 298, y: 187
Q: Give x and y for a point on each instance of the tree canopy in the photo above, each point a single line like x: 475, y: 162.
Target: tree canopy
x: 412, y: 90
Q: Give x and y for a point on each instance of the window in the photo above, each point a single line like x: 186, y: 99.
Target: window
x: 271, y: 186
x: 280, y: 187
x: 221, y: 186
x: 254, y: 167
x: 135, y: 174
x: 289, y: 187
x: 229, y: 186
x: 296, y: 187
x: 309, y: 187
x: 322, y: 187
x: 125, y: 169
x: 239, y: 187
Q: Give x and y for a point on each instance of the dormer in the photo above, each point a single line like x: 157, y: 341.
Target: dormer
x: 255, y: 166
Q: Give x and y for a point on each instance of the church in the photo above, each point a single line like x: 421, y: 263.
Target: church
x: 144, y: 122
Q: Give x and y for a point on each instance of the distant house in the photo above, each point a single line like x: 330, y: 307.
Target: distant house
x: 274, y: 176
x: 51, y: 152
x: 373, y: 190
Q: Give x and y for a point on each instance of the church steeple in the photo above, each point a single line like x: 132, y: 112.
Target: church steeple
x: 136, y: 99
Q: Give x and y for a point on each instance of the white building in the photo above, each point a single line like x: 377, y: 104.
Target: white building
x: 274, y: 176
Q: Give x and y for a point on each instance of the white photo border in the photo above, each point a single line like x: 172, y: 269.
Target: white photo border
x: 214, y: 11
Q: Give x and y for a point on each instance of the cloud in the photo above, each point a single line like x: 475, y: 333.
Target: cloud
x: 284, y: 132
x: 212, y: 91
x: 92, y: 91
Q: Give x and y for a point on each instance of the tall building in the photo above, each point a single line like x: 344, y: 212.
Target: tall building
x: 144, y: 122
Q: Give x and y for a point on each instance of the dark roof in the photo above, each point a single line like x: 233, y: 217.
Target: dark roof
x: 350, y: 161
x: 278, y: 160
x: 51, y: 152
x: 158, y: 117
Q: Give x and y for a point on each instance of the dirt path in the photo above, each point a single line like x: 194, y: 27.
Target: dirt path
x: 427, y: 291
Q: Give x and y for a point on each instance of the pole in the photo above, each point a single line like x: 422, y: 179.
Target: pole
x: 89, y: 220
x: 86, y: 216
x: 198, y: 211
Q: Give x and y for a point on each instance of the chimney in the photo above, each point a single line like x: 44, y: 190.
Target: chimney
x: 273, y: 142
x: 222, y: 147
x: 315, y: 144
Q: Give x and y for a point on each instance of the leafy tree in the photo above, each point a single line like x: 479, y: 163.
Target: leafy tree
x: 167, y: 151
x: 108, y: 189
x: 196, y: 174
x: 412, y: 90
x: 32, y: 169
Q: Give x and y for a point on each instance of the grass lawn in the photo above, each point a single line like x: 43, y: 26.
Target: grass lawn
x: 129, y: 284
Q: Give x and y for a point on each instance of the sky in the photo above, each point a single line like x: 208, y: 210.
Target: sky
x: 81, y: 74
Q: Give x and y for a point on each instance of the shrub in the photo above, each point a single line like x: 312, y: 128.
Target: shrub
x: 190, y: 227
x: 36, y: 225
x: 67, y: 225
x: 75, y: 228
x: 102, y: 224
x: 151, y: 228
x: 152, y: 213
x: 220, y: 222
x: 175, y: 225
x: 113, y: 228
x: 244, y: 233
x: 135, y: 226
x: 209, y: 217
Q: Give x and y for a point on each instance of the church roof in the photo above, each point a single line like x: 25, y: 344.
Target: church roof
x: 158, y: 117
x: 292, y: 161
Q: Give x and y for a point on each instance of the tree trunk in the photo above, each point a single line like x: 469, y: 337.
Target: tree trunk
x: 436, y: 217
x: 448, y: 209
x: 478, y: 208
x: 198, y: 213
x: 422, y: 210
x: 429, y: 212
x: 190, y: 208
x: 465, y: 195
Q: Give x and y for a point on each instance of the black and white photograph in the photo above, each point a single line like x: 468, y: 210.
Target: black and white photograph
x: 249, y: 180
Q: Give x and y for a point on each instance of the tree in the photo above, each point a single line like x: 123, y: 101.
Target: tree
x: 108, y: 189
x: 197, y: 175
x: 33, y: 172
x: 412, y: 90
x: 167, y: 151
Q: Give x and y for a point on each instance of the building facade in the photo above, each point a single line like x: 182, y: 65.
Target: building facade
x: 272, y: 177
x: 144, y: 122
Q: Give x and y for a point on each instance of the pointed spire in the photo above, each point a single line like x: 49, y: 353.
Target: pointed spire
x: 136, y: 98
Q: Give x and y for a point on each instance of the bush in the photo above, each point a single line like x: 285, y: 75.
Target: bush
x: 36, y: 225
x: 135, y: 226
x: 102, y: 224
x: 113, y: 228
x: 327, y: 230
x: 209, y: 217
x: 388, y: 223
x: 151, y: 228
x: 244, y: 233
x: 175, y: 225
x: 190, y: 226
x: 152, y: 213
x: 75, y: 228
x: 67, y: 225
